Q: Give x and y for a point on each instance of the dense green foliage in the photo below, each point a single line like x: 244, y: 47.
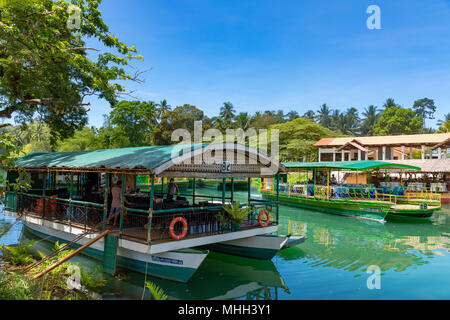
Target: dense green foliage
x: 298, y: 136
x: 45, y: 71
x: 397, y: 121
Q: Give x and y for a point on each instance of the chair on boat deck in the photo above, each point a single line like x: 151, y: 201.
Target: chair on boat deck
x: 373, y: 193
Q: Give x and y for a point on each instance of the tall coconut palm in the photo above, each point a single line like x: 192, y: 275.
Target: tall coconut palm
x: 389, y: 103
x: 242, y: 120
x: 353, y: 121
x: 310, y: 115
x: 335, y: 117
x: 371, y: 116
x: 323, y: 116
x: 163, y: 107
x: 227, y: 112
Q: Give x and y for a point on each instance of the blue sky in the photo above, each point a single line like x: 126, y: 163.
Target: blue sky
x: 289, y: 55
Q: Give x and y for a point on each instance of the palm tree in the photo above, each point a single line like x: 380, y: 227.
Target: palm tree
x: 446, y: 118
x: 352, y: 119
x: 163, y: 107
x: 227, y: 112
x: 310, y: 115
x: 292, y: 115
x: 371, y: 116
x: 335, y: 117
x: 389, y: 103
x: 323, y: 116
x: 242, y: 120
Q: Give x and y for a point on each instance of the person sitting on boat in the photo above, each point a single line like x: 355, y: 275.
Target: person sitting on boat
x: 333, y: 179
x: 116, y: 203
x: 173, y: 188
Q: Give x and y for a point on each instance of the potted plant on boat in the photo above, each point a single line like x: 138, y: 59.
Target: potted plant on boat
x: 224, y: 220
x: 237, y: 214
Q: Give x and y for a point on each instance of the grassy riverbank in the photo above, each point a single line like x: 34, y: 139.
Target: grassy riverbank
x: 66, y: 282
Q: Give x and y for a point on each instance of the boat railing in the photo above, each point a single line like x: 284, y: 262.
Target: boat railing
x: 134, y: 223
x: 351, y: 192
x: 77, y: 213
x: 201, y: 221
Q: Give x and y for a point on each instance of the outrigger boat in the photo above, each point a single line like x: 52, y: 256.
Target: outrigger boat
x: 355, y: 200
x: 149, y: 238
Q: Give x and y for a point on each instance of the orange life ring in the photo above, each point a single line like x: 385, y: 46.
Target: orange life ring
x: 172, y: 225
x: 263, y: 225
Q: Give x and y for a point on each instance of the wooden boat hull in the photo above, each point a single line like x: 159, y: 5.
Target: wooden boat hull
x: 263, y: 247
x: 176, y: 265
x: 353, y: 208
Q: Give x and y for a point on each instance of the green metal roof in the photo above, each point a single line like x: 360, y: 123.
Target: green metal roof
x: 348, y: 165
x: 124, y: 158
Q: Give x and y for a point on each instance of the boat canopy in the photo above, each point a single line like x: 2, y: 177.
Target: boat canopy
x: 349, y: 165
x: 188, y: 160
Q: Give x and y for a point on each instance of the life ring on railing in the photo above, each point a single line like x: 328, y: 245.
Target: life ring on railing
x: 172, y: 225
x: 261, y: 213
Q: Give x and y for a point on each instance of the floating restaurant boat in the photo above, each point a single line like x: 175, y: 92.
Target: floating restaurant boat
x: 149, y: 238
x: 355, y: 200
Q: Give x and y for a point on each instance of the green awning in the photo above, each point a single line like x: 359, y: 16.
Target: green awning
x: 124, y: 158
x: 348, y: 165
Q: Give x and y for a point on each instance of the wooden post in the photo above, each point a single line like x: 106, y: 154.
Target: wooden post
x: 314, y: 190
x: 224, y: 181
x: 44, y: 186
x: 328, y: 183
x: 193, y: 191
x: 232, y: 190
x: 278, y: 196
x: 149, y: 225
x: 122, y: 205
x: 249, y: 193
x: 105, y: 200
x: 70, y: 198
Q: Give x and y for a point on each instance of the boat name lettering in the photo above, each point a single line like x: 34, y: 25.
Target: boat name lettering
x: 167, y: 260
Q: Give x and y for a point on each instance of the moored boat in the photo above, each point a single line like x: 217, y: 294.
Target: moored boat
x: 149, y: 237
x: 363, y: 201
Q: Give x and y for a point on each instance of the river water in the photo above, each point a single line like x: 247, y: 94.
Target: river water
x: 414, y: 259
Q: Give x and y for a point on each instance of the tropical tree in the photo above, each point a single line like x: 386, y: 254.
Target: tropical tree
x: 424, y: 108
x: 227, y: 112
x: 291, y: 115
x: 445, y: 127
x: 182, y: 117
x: 297, y: 138
x: 310, y: 115
x: 242, y: 120
x: 371, y: 116
x: 446, y: 118
x: 45, y: 70
x: 136, y: 119
x: 84, y: 139
x: 323, y: 116
x: 163, y: 107
x: 397, y: 121
x: 389, y: 103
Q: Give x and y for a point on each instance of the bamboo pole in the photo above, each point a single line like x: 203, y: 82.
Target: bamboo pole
x: 101, y: 235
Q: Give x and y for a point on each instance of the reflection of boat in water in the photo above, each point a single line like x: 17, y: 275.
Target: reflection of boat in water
x: 352, y: 244
x: 220, y: 277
